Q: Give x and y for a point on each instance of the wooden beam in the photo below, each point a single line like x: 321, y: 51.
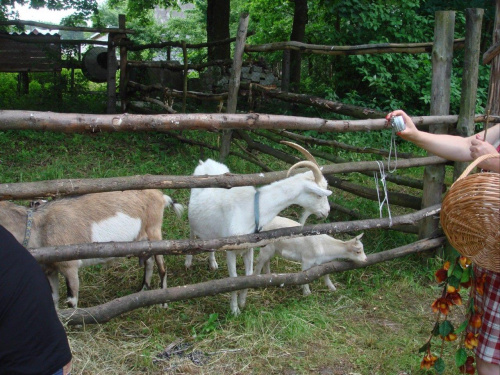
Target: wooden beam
x: 68, y: 187
x: 92, y: 123
x: 363, y: 49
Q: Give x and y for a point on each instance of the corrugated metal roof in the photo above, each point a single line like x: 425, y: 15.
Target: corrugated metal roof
x: 34, y: 32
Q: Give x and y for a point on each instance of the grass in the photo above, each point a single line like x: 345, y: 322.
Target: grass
x: 373, y: 324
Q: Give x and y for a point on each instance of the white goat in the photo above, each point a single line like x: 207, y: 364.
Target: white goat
x: 309, y: 250
x: 131, y: 215
x: 218, y: 212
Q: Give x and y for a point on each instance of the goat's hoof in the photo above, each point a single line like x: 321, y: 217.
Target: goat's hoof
x: 72, y: 303
x: 236, y: 311
x: 242, y: 300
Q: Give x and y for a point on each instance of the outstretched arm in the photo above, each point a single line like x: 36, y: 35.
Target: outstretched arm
x: 453, y: 147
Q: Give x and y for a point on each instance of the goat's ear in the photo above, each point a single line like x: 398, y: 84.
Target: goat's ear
x: 359, y: 236
x: 317, y: 190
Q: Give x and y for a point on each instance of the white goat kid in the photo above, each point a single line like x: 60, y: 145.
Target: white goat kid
x: 309, y: 250
x: 217, y: 212
x: 132, y: 215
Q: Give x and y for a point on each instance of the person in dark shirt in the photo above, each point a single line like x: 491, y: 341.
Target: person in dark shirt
x: 32, y: 339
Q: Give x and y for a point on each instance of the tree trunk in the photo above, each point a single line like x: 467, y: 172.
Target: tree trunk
x: 234, y: 83
x: 298, y: 35
x: 495, y: 68
x: 442, y: 55
x: 465, y: 125
x: 218, y: 28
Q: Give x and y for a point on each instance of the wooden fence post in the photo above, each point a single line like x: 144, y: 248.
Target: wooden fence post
x: 465, y: 125
x: 442, y: 54
x: 123, y: 65
x: 234, y: 82
x: 285, y: 71
x: 111, y: 79
x: 494, y: 94
x: 185, y: 76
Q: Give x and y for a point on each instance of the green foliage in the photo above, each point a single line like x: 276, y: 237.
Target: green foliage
x: 445, y: 328
x: 460, y: 357
x: 83, y: 8
x: 207, y: 328
x: 439, y: 366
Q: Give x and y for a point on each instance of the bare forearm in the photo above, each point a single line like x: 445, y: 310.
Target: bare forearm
x: 446, y: 146
x: 453, y: 147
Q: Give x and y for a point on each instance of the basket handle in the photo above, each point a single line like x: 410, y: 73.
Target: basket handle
x: 476, y: 162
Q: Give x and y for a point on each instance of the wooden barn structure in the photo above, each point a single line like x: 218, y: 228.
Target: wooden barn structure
x: 30, y: 52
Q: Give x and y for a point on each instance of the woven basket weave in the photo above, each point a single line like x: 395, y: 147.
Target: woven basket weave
x: 470, y: 216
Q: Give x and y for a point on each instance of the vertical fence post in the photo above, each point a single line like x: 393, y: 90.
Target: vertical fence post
x: 234, y: 82
x: 285, y: 71
x: 123, y: 64
x: 465, y: 126
x: 494, y: 94
x: 442, y: 54
x: 185, y: 77
x: 111, y: 79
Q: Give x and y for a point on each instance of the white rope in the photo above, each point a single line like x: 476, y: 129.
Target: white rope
x: 383, y: 175
x: 393, y: 143
x: 384, y: 186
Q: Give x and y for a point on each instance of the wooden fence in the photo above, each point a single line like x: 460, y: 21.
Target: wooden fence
x: 442, y: 50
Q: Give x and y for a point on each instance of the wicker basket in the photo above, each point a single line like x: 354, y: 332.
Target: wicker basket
x: 470, y: 216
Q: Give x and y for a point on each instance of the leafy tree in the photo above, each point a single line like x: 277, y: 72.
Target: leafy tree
x: 218, y: 12
x: 83, y: 8
x: 300, y: 18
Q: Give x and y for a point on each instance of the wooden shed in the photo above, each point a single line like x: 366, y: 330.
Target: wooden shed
x: 33, y: 52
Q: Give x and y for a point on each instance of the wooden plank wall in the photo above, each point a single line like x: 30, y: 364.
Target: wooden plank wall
x: 30, y: 53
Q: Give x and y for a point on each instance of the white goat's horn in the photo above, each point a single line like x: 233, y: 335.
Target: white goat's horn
x: 302, y: 150
x: 318, y: 176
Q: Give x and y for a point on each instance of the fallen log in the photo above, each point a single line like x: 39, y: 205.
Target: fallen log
x: 176, y: 93
x: 314, y: 101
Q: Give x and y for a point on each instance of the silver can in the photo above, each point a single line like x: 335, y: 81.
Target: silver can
x: 398, y: 124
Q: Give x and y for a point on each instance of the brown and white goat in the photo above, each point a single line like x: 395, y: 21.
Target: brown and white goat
x: 132, y: 215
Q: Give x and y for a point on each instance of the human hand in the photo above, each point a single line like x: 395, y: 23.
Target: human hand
x: 479, y: 147
x: 410, y: 130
